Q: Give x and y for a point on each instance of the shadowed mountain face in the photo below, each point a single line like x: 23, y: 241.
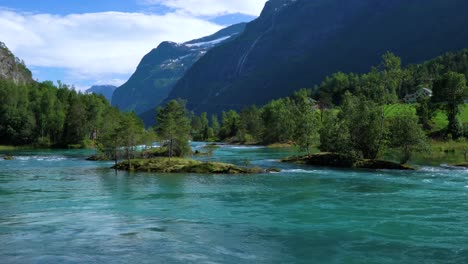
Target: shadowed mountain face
x: 296, y: 43
x: 163, y: 67
x: 105, y: 90
x: 12, y: 68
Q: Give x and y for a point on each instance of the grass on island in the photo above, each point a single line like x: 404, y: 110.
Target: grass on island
x: 7, y: 148
x: 282, y: 145
x: 336, y: 160
x: 183, y: 165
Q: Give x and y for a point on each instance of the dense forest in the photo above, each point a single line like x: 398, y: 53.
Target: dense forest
x: 390, y: 79
x: 41, y: 114
x: 348, y: 113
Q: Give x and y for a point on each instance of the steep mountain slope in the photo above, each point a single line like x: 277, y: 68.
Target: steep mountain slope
x: 296, y: 43
x: 12, y: 68
x: 106, y: 90
x: 163, y: 67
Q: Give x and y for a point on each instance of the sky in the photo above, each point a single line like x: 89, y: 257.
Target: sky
x: 99, y: 42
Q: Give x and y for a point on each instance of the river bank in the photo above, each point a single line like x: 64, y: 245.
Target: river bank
x: 450, y: 153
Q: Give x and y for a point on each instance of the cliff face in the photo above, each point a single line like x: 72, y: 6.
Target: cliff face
x: 296, y: 43
x: 160, y: 69
x: 12, y: 68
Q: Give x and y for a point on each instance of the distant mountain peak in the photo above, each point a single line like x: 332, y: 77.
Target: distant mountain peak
x: 106, y: 90
x: 160, y: 69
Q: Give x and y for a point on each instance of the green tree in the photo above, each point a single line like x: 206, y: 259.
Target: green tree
x: 230, y: 124
x: 109, y: 140
x: 17, y: 119
x: 333, y: 87
x: 334, y: 135
x: 75, y: 123
x: 173, y: 128
x: 278, y: 120
x: 406, y: 133
x: 365, y: 122
x: 130, y: 132
x: 196, y: 127
x: 204, y: 133
x: 392, y: 76
x: 214, y: 123
x: 425, y: 112
x: 449, y: 93
x: 42, y: 114
x: 250, y: 125
x: 372, y: 87
x: 307, y: 121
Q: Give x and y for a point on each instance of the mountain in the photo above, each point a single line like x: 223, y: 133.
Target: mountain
x: 296, y: 43
x: 105, y: 90
x: 12, y: 68
x: 163, y: 67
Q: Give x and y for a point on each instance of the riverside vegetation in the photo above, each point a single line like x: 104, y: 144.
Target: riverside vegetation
x: 360, y: 116
x: 348, y: 115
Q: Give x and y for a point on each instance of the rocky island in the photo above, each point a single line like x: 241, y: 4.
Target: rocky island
x: 8, y: 157
x: 343, y: 161
x: 183, y: 165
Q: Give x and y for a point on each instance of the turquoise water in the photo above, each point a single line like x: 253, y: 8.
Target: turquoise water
x: 55, y: 207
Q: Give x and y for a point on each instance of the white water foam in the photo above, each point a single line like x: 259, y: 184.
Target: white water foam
x: 40, y: 158
x: 243, y: 147
x: 300, y: 171
x: 442, y: 168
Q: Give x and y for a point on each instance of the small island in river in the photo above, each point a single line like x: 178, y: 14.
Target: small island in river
x: 343, y: 161
x: 183, y: 165
x: 8, y: 157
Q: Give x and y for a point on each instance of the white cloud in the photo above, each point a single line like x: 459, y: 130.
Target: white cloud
x: 213, y: 7
x: 94, y: 46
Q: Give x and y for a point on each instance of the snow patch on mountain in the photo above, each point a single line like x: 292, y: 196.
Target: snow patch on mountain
x: 208, y: 43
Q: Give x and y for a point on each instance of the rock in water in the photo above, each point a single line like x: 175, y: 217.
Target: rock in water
x: 343, y: 161
x: 8, y: 157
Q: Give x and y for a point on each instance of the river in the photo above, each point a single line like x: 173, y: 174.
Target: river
x: 55, y: 207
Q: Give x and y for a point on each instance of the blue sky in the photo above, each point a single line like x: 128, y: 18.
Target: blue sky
x: 87, y: 42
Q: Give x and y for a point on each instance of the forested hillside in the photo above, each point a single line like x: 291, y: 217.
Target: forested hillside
x: 296, y: 44
x: 377, y: 93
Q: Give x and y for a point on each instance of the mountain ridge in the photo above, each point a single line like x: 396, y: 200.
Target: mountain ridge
x: 296, y: 44
x: 161, y: 68
x: 106, y: 90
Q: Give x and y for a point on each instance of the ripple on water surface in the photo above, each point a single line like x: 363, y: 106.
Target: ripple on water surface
x: 55, y: 207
